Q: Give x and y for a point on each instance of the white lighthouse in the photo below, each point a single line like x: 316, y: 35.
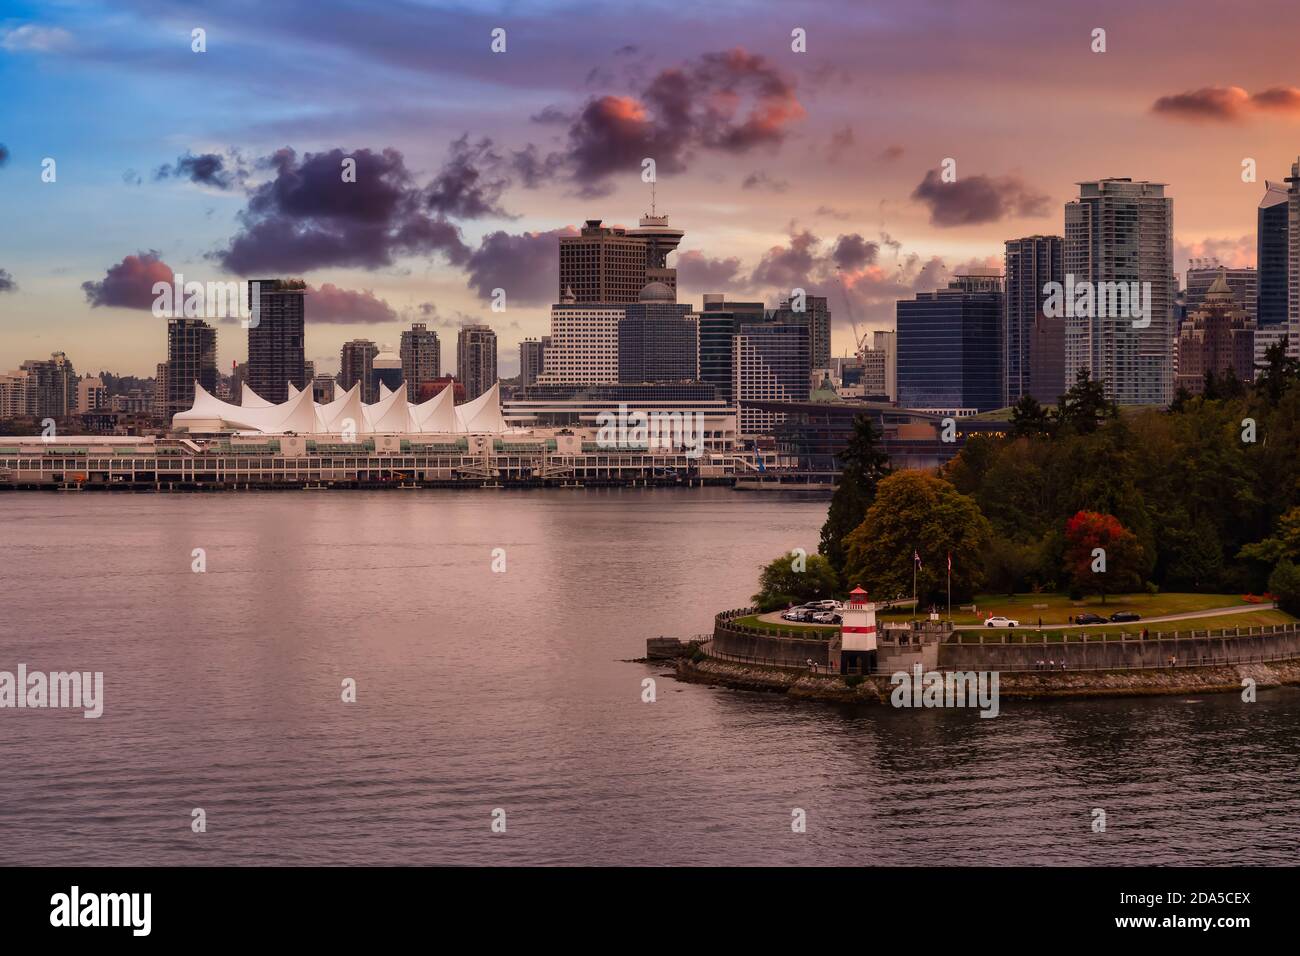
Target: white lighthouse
x: 858, y: 634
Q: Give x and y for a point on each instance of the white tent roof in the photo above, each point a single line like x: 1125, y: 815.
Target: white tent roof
x: 250, y: 399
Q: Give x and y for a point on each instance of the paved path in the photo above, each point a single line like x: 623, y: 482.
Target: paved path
x: 774, y: 617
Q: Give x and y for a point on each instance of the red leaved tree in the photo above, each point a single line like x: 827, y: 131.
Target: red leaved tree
x: 1101, y: 555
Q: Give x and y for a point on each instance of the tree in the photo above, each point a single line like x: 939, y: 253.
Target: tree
x: 1284, y: 543
x: 863, y: 463
x: 1101, y: 555
x: 1284, y: 585
x: 1009, y: 566
x: 782, y: 583
x: 1276, y: 375
x: 1029, y: 419
x: 1085, y: 406
x: 918, y: 512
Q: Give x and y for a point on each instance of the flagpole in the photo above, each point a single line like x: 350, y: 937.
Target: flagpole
x: 950, y: 586
x: 915, y: 602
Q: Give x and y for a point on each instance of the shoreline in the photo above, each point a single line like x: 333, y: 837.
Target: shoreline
x: 798, y: 684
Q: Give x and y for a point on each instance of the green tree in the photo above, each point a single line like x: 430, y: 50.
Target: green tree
x: 1029, y: 419
x: 1284, y: 585
x: 1276, y: 375
x: 863, y: 463
x: 1084, y: 406
x: 782, y: 582
x: 918, y: 512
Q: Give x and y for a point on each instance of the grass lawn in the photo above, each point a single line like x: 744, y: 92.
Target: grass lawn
x: 1114, y: 631
x: 802, y: 630
x: 1059, y: 607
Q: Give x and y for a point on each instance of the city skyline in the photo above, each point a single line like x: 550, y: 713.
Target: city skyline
x: 818, y: 168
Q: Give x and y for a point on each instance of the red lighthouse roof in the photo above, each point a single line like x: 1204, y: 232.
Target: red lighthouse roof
x: 857, y: 596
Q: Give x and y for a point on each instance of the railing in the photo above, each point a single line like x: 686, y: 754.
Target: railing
x: 1027, y: 639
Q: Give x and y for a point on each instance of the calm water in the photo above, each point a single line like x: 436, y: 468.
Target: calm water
x: 479, y: 690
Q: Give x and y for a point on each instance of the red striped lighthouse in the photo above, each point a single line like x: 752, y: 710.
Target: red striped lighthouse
x: 858, y: 630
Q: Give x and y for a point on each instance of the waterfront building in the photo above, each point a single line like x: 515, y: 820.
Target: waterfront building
x: 421, y: 358
x: 718, y: 321
x: 949, y: 347
x: 13, y: 394
x: 1031, y: 262
x: 50, y: 389
x: 276, y: 338
x: 357, y: 364
x: 1218, y: 336
x: 191, y: 357
x: 771, y: 361
x: 1119, y: 230
x: 658, y: 339
x: 532, y: 359
x: 817, y: 315
x: 476, y: 359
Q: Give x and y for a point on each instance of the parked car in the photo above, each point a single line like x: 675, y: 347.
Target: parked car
x: 1122, y: 616
x: 823, y: 605
x: 1089, y: 618
x: 794, y: 614
x: 823, y: 617
x: 1001, y: 622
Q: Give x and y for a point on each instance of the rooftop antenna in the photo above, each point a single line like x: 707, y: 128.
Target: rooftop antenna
x: 652, y: 197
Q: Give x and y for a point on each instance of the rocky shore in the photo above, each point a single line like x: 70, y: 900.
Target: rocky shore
x: 802, y: 685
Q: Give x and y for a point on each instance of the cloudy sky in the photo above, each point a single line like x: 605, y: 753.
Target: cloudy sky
x: 784, y: 168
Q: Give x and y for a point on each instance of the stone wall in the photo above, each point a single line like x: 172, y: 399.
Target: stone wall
x: 752, y: 645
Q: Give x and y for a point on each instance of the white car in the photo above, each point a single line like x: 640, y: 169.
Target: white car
x: 1001, y: 622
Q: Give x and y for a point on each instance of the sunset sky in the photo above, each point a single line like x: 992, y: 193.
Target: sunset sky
x: 783, y: 168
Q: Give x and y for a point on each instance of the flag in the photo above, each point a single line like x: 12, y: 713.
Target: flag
x: 950, y: 562
x: 916, y: 556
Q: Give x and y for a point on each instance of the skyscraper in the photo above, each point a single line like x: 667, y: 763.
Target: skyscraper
x: 610, y: 265
x: 1031, y: 263
x: 191, y: 357
x: 476, y: 359
x: 817, y: 315
x: 1121, y: 231
x: 1272, y: 251
x: 949, y: 347
x: 357, y: 364
x: 658, y: 339
x: 421, y: 358
x: 772, y: 361
x: 1218, y: 336
x: 880, y: 365
x: 275, y: 338
x: 584, y: 343
x: 1203, y: 273
x: 719, y: 320
x: 532, y: 359
x: 51, y: 386
x: 387, y: 369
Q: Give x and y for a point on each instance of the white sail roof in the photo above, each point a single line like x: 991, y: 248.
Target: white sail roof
x: 392, y: 414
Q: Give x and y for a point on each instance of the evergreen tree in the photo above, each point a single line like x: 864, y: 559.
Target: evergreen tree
x: 863, y: 463
x: 1029, y: 419
x: 1084, y: 406
x: 1276, y: 375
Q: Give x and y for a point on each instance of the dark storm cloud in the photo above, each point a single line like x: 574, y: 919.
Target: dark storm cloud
x: 525, y: 265
x: 468, y: 187
x: 532, y: 168
x: 329, y: 303
x: 852, y: 252
x: 697, y: 271
x: 784, y: 267
x: 129, y: 284
x: 978, y: 199
x: 7, y: 283
x: 306, y: 217
x: 731, y: 102
x: 205, y: 169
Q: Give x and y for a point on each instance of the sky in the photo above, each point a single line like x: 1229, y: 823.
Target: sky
x: 815, y: 167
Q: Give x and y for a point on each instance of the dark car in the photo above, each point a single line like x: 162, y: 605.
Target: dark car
x: 1089, y: 619
x: 1120, y: 617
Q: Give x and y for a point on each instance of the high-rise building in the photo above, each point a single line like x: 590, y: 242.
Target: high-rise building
x: 1272, y: 252
x: 880, y: 365
x: 161, y: 391
x: 1047, y: 360
x: 476, y: 359
x: 817, y: 314
x: 772, y: 361
x: 1121, y: 231
x: 92, y: 395
x: 1031, y: 263
x: 660, y: 240
x: 191, y: 357
x: 719, y: 320
x: 387, y: 369
x: 357, y: 364
x: 13, y: 394
x: 1203, y: 273
x: 603, y: 264
x: 950, y: 349
x: 532, y: 359
x: 1219, y: 335
x: 51, y: 390
x: 276, y: 338
x: 584, y: 343
x: 421, y: 358
x: 658, y: 339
